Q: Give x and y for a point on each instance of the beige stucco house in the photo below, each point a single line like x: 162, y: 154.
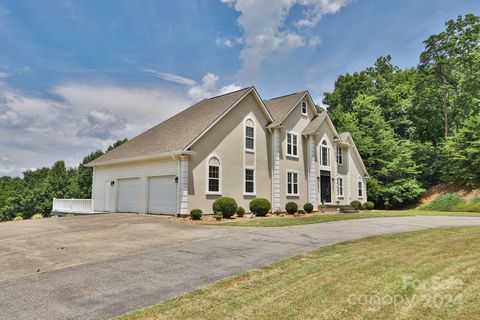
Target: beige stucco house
x: 234, y: 145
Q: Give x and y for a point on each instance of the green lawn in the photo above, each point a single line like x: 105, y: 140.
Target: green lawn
x: 319, y: 218
x: 432, y: 274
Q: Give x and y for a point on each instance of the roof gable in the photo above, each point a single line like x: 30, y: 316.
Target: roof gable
x: 179, y: 132
x: 281, y: 107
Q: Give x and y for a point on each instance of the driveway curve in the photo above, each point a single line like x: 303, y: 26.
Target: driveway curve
x: 102, y: 289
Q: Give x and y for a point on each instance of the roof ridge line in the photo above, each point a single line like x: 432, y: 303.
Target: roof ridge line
x: 228, y: 93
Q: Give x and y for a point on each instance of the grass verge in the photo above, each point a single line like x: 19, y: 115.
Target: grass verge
x: 319, y: 218
x: 431, y: 274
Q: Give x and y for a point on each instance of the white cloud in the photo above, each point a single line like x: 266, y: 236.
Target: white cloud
x: 4, y: 74
x: 171, y: 77
x: 36, y: 131
x: 314, y: 41
x: 226, y: 42
x: 265, y: 32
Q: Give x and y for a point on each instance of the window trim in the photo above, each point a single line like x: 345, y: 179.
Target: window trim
x: 298, y: 183
x: 207, y: 177
x: 304, y: 103
x: 340, y: 187
x: 339, y: 155
x: 245, y: 193
x: 297, y: 145
x: 322, y: 145
x: 245, y: 125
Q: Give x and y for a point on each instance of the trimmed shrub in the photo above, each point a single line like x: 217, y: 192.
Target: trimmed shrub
x: 368, y: 205
x: 308, y: 207
x: 18, y: 218
x: 196, y: 214
x: 227, y: 206
x: 301, y: 211
x: 446, y: 202
x: 36, y: 216
x: 291, y: 207
x: 356, y: 204
x: 240, y: 212
x: 260, y: 207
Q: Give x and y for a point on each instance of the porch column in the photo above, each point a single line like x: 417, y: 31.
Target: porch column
x: 312, y: 171
x: 183, y: 185
x: 276, y: 170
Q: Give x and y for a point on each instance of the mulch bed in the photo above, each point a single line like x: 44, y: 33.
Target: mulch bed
x: 210, y: 219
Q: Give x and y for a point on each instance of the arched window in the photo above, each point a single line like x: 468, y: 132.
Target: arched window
x: 214, y: 177
x: 324, y: 154
x: 249, y: 135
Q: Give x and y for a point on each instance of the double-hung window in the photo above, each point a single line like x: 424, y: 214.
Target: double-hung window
x: 292, y: 144
x: 249, y: 181
x: 360, y: 189
x: 324, y: 154
x: 249, y: 135
x: 213, y: 183
x: 292, y: 183
x: 339, y: 155
x: 340, y: 187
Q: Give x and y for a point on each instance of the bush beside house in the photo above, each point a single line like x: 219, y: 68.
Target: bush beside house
x: 226, y: 206
x: 260, y: 207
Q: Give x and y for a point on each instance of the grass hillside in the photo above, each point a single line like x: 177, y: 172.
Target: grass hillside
x: 451, y: 197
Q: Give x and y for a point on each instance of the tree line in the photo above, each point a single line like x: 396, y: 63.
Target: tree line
x: 33, y: 193
x: 420, y: 126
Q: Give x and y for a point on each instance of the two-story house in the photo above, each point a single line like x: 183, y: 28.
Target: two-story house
x: 235, y: 145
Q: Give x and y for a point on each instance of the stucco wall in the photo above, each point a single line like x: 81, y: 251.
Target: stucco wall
x: 226, y: 140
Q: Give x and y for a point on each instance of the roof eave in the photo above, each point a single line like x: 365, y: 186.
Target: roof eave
x: 157, y: 156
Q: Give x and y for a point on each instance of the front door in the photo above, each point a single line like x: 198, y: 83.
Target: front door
x: 325, y: 188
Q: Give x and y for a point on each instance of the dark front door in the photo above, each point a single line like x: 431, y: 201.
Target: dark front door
x: 325, y: 188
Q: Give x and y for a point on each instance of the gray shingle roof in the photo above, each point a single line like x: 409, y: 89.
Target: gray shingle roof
x: 313, y: 125
x: 279, y: 107
x: 177, y: 132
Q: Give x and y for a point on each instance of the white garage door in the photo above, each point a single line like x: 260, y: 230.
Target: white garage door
x: 162, y: 195
x: 128, y: 195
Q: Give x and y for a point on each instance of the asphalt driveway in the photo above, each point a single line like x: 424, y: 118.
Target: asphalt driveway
x: 128, y: 266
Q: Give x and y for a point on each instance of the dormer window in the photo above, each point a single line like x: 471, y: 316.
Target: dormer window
x: 304, y: 108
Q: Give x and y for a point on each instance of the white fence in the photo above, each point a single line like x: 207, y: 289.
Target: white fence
x: 73, y: 205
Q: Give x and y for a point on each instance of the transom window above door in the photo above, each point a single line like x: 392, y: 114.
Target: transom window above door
x: 292, y: 144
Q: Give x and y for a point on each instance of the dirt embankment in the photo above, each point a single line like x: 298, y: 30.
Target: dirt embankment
x: 441, y: 189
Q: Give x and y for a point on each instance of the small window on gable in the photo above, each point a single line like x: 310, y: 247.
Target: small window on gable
x: 292, y: 144
x: 249, y: 135
x: 324, y: 154
x: 304, y: 108
x: 213, y: 183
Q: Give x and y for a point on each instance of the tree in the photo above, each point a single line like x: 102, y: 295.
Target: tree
x: 462, y: 154
x: 84, y: 175
x: 117, y: 144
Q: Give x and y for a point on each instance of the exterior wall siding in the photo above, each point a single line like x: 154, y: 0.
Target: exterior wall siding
x: 225, y: 140
x: 141, y: 170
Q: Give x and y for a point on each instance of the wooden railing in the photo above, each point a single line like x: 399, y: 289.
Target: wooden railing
x: 73, y: 205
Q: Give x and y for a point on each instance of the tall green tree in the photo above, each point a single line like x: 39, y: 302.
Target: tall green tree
x: 461, y: 157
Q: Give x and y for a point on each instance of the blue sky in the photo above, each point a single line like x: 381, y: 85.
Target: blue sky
x: 77, y: 75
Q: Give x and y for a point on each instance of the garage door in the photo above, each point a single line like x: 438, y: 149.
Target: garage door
x: 162, y: 195
x: 128, y: 195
